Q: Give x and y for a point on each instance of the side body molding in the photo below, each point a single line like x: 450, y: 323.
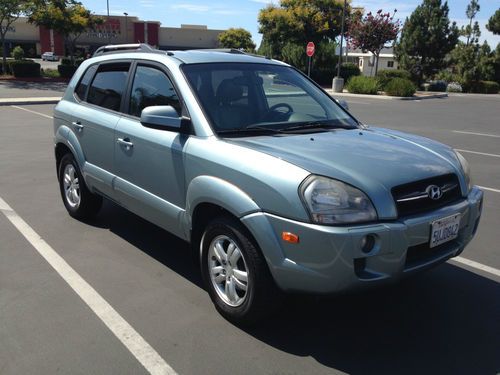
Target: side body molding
x: 209, y: 189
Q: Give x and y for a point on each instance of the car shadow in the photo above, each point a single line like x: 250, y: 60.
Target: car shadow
x: 446, y: 320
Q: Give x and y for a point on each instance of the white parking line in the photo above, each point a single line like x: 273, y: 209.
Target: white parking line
x: 478, y: 153
x: 473, y: 133
x: 489, y: 189
x: 476, y: 265
x: 128, y: 336
x: 29, y: 110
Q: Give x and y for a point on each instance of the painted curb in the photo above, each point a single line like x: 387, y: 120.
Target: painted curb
x: 385, y: 97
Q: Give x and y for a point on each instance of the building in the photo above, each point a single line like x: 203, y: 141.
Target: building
x: 115, y: 30
x: 366, y: 61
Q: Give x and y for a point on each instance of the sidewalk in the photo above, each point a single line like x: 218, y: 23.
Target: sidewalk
x: 419, y: 95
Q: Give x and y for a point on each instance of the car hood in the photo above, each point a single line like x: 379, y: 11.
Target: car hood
x: 373, y: 159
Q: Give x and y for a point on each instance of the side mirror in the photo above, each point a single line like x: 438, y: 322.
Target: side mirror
x: 343, y: 103
x: 161, y: 117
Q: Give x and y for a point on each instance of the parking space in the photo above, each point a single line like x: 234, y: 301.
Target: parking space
x: 443, y: 321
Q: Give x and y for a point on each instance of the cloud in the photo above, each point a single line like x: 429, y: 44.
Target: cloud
x: 191, y: 7
x: 147, y: 3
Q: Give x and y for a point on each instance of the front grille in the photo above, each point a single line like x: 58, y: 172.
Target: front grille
x: 412, y: 198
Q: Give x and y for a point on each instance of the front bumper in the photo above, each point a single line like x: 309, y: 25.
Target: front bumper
x: 330, y: 259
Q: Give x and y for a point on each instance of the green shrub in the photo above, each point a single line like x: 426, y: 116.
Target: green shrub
x: 348, y: 70
x: 51, y: 73
x: 66, y: 61
x: 385, y: 76
x: 79, y: 60
x: 400, y: 87
x: 482, y: 87
x: 17, y: 53
x: 363, y: 85
x: 66, y: 71
x: 25, y: 68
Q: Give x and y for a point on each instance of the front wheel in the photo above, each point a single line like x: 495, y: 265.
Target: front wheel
x: 78, y: 200
x: 235, y: 273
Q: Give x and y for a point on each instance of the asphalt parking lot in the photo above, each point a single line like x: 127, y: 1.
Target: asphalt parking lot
x: 443, y: 321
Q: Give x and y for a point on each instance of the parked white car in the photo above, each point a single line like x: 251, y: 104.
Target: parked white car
x: 49, y: 56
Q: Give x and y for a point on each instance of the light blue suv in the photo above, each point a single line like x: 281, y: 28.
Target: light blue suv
x: 275, y: 185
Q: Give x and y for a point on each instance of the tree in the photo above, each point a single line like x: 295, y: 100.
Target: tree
x: 10, y: 10
x: 299, y: 22
x: 66, y: 17
x: 471, y: 11
x: 372, y: 32
x: 471, y: 61
x: 493, y: 24
x: 237, y: 38
x: 426, y: 39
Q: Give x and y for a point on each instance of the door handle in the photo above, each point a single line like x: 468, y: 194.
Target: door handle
x: 77, y: 125
x: 125, y: 142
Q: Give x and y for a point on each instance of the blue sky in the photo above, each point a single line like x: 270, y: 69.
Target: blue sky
x: 220, y: 14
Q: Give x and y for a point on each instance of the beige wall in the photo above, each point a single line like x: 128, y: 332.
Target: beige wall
x: 172, y: 37
x: 23, y: 31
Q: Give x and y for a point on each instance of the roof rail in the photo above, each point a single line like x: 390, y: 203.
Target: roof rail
x: 232, y: 50
x: 120, y: 48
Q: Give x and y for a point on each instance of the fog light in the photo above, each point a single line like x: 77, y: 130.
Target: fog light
x: 367, y: 243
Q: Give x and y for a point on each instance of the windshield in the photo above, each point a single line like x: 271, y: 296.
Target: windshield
x: 246, y: 97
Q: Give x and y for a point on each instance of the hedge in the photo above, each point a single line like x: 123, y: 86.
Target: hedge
x: 363, y: 85
x: 482, y: 87
x: 66, y: 71
x: 24, y: 68
x: 348, y: 70
x: 400, y: 87
x: 385, y: 76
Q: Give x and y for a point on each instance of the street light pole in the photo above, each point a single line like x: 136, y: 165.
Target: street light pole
x: 338, y: 82
x: 126, y: 27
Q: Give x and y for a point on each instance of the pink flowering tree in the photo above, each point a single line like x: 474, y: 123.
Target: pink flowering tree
x: 372, y: 32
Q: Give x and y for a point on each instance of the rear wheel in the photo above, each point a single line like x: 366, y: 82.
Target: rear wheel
x: 235, y: 273
x: 78, y: 200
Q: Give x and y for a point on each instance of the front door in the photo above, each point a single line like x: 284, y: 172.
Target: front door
x: 149, y: 163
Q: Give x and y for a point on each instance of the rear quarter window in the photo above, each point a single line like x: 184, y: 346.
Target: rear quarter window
x: 81, y: 88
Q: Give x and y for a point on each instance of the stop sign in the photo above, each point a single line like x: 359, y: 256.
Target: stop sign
x: 310, y: 49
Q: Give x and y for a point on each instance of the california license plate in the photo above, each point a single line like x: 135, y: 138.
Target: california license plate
x: 444, y: 230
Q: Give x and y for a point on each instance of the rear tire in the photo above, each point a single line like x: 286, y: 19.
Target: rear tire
x: 77, y: 198
x: 236, y: 274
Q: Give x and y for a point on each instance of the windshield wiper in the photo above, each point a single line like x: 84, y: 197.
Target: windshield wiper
x: 316, y: 125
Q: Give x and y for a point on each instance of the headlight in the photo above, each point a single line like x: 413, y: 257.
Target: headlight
x: 334, y: 202
x: 465, y: 169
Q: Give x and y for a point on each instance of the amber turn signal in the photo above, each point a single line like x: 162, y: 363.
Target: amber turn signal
x: 289, y: 237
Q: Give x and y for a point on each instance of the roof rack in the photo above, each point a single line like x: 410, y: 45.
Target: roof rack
x: 231, y: 50
x: 121, y: 48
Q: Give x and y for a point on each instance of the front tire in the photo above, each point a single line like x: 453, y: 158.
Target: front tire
x: 235, y: 273
x: 77, y: 198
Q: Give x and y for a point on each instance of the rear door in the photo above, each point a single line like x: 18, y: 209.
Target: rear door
x: 95, y: 120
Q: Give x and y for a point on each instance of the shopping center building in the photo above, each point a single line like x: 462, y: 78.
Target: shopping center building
x: 115, y: 29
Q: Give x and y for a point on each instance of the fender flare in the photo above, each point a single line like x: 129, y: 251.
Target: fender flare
x: 65, y: 136
x: 214, y: 190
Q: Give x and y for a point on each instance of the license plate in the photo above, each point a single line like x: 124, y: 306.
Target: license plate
x: 444, y: 230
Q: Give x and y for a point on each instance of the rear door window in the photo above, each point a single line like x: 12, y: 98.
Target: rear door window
x: 108, y: 86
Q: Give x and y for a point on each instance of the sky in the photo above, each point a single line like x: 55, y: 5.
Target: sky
x: 220, y: 14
